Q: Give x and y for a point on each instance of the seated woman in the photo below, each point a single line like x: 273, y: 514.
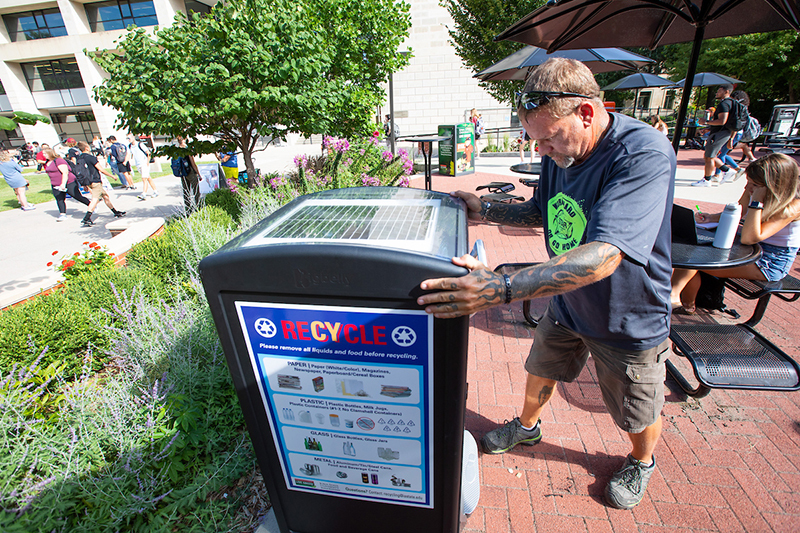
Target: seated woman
x: 771, y: 207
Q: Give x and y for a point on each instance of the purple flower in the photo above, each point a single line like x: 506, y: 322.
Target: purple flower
x: 387, y: 155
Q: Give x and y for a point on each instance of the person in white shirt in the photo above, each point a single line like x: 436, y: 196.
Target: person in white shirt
x: 141, y: 158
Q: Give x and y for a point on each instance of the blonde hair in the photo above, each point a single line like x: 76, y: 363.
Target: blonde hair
x: 780, y: 175
x: 50, y: 154
x: 559, y: 74
x: 5, y: 155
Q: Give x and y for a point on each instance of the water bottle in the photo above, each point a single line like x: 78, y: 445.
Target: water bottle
x: 728, y: 223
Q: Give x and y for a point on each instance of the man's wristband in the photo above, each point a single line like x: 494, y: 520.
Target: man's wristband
x: 508, y: 288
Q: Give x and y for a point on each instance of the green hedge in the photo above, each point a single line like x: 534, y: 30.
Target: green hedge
x: 68, y: 321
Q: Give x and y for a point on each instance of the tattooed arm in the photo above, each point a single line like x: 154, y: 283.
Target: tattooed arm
x: 483, y: 288
x: 524, y: 214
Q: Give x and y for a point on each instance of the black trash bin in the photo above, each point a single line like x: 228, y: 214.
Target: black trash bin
x: 353, y: 396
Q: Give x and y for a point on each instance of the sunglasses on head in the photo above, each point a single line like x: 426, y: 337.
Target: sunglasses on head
x: 533, y: 99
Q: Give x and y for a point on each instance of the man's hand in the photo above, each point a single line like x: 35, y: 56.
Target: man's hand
x: 474, y: 204
x: 478, y: 290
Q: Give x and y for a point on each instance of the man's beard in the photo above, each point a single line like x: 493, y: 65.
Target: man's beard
x: 563, y: 161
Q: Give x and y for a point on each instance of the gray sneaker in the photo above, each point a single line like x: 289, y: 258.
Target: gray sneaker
x: 626, y: 488
x: 509, y: 435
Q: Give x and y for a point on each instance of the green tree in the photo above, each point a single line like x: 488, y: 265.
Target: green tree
x: 20, y: 117
x: 256, y: 68
x: 476, y: 22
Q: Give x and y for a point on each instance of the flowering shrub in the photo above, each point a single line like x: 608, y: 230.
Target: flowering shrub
x: 94, y: 257
x: 346, y: 163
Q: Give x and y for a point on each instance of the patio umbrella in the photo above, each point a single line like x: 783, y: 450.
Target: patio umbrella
x: 565, y: 24
x: 638, y: 80
x: 706, y: 79
x: 520, y: 63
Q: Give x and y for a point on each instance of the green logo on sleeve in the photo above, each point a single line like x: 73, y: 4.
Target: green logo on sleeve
x: 565, y: 223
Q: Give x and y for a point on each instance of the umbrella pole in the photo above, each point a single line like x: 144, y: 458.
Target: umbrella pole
x: 698, y: 41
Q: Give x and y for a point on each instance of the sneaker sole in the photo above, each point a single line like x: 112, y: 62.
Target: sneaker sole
x: 615, y: 504
x: 528, y: 442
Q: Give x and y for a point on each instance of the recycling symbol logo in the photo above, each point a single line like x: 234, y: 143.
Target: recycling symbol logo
x: 404, y: 336
x: 266, y: 328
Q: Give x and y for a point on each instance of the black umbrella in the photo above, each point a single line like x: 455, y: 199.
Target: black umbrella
x: 706, y: 79
x: 582, y: 23
x: 638, y: 80
x: 520, y: 63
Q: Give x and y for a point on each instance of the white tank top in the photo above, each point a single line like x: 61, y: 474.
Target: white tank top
x: 788, y: 236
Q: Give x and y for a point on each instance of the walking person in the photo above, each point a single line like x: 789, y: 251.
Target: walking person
x: 190, y: 180
x: 12, y: 173
x: 95, y: 168
x: 605, y: 201
x: 141, y: 157
x: 122, y: 158
x: 63, y: 181
x: 524, y: 139
x: 718, y: 135
x: 112, y: 164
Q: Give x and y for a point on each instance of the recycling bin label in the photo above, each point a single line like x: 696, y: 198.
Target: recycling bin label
x: 348, y: 394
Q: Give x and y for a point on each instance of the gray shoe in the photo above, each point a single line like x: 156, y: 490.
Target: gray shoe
x: 626, y: 488
x: 509, y: 435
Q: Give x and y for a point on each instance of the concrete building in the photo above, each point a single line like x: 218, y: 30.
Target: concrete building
x: 44, y: 70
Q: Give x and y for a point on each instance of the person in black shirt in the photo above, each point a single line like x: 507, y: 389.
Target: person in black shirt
x: 96, y: 185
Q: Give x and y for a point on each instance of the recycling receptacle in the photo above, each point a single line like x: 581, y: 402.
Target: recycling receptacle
x: 457, y: 154
x: 354, y: 397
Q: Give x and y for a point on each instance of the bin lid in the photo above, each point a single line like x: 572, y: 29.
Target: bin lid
x: 412, y: 220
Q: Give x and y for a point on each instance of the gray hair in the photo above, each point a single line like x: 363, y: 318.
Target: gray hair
x: 559, y: 74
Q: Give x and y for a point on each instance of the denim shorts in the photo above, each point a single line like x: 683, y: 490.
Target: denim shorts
x: 631, y: 382
x: 775, y: 261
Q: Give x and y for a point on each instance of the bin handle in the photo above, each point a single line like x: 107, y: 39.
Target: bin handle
x: 479, y: 252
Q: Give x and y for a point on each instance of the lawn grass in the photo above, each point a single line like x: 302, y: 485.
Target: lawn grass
x: 40, y: 191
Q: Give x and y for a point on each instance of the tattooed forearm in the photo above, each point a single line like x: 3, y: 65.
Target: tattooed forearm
x: 524, y: 214
x: 577, y: 268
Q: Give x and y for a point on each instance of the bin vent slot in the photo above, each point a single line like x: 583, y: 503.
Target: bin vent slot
x: 378, y: 223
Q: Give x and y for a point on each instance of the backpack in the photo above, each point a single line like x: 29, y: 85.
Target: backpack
x: 120, y: 152
x: 738, y: 117
x: 752, y: 131
x: 81, y: 170
x: 711, y: 295
x: 180, y: 167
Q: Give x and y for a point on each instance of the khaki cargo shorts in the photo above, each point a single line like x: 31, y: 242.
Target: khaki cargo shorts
x: 631, y: 382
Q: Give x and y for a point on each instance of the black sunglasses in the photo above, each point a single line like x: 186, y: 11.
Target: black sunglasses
x: 533, y: 99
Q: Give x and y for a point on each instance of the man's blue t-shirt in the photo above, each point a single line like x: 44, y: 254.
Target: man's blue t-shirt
x: 621, y: 195
x: 232, y: 162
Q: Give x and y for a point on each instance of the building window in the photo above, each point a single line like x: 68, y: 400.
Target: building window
x: 644, y: 100
x: 669, y: 99
x: 53, y: 75
x: 193, y: 6
x: 31, y: 25
x: 119, y: 14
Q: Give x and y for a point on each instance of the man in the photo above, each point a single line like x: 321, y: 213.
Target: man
x: 230, y: 165
x: 605, y: 200
x: 141, y: 156
x: 190, y: 183
x: 121, y: 156
x: 95, y: 185
x: 717, y: 137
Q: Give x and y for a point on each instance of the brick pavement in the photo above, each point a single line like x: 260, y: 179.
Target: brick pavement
x: 727, y: 462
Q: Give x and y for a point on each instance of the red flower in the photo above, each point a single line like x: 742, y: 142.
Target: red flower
x: 54, y: 253
x: 94, y: 245
x: 69, y: 264
x: 76, y: 254
x: 87, y: 262
x: 85, y: 242
x: 50, y: 264
x: 112, y: 254
x: 64, y: 262
x: 375, y: 133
